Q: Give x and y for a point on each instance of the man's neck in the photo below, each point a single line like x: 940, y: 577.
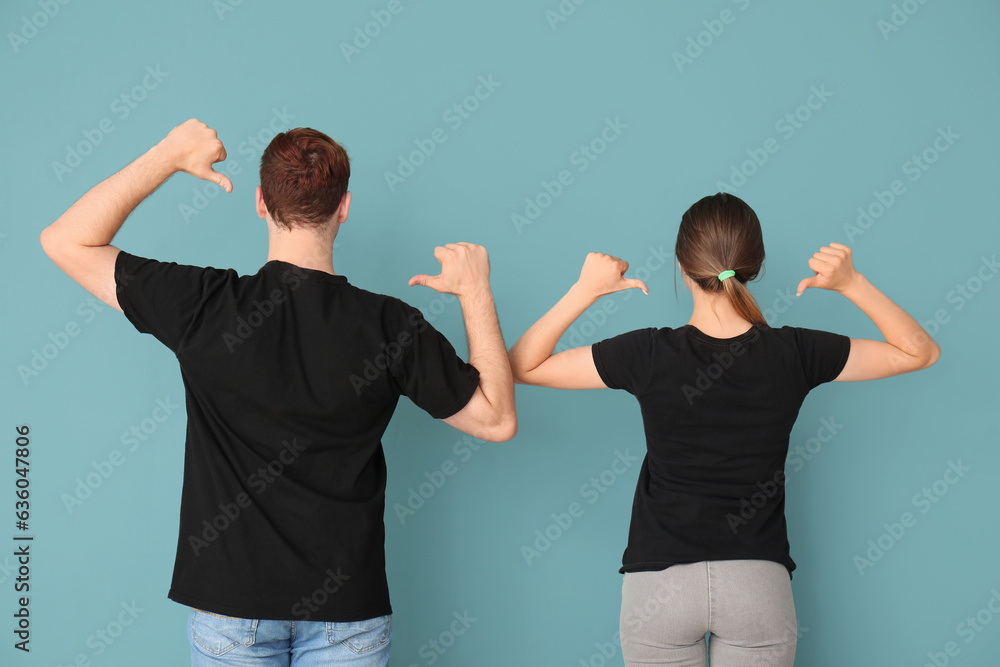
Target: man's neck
x: 303, y: 248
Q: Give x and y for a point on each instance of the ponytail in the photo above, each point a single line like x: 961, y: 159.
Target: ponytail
x: 742, y: 300
x: 722, y: 233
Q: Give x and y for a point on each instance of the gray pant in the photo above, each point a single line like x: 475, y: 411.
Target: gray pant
x: 746, y: 605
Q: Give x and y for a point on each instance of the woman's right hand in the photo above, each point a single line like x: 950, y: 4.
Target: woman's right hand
x: 834, y: 269
x: 604, y: 274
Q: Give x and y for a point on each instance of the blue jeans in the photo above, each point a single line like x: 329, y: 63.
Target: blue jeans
x: 224, y: 640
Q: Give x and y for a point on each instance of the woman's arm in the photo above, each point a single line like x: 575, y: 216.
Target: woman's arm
x: 531, y: 358
x: 907, y: 346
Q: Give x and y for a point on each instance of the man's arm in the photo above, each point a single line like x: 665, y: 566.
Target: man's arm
x: 465, y: 271
x: 79, y: 242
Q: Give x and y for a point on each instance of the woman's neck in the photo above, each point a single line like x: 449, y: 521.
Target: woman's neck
x: 715, y: 316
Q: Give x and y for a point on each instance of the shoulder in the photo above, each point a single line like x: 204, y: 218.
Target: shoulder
x: 133, y: 270
x: 804, y: 335
x: 393, y: 312
x: 126, y: 260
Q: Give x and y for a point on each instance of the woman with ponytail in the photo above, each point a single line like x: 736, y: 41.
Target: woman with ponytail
x: 718, y: 396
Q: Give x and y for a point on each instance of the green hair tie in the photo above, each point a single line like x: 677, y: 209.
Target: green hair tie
x: 726, y: 274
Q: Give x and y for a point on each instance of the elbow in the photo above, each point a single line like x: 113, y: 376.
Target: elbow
x: 932, y: 356
x: 53, y: 244
x: 921, y: 360
x: 48, y: 242
x: 521, y: 375
x: 503, y: 430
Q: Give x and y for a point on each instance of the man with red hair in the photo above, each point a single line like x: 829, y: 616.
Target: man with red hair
x: 291, y: 376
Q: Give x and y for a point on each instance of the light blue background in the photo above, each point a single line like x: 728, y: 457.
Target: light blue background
x: 686, y: 129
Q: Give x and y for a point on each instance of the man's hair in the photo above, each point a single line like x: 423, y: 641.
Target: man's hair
x: 303, y: 177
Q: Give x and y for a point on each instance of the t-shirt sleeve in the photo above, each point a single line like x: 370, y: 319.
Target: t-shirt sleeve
x: 429, y: 371
x: 162, y: 298
x: 823, y: 354
x: 625, y: 361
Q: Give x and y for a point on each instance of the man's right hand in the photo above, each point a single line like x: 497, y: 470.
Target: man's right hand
x: 465, y: 270
x: 193, y: 147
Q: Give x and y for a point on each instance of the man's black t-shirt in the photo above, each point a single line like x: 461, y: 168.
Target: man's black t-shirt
x: 717, y: 415
x: 291, y: 376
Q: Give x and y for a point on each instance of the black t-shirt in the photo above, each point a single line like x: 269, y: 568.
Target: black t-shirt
x: 291, y: 376
x: 717, y: 415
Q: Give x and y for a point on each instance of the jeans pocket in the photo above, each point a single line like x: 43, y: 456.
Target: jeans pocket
x: 218, y: 635
x: 361, y: 636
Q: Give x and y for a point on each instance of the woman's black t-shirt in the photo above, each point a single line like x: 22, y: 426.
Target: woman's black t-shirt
x: 291, y: 376
x: 717, y: 415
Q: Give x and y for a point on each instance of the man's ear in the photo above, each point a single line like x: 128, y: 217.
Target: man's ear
x: 261, y: 207
x: 345, y: 205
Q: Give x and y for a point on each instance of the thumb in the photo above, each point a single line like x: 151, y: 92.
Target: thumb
x: 629, y: 283
x: 425, y: 280
x: 219, y: 179
x: 222, y: 180
x: 806, y: 283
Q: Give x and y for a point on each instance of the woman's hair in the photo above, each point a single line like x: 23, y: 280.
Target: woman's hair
x: 303, y: 177
x: 721, y: 233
